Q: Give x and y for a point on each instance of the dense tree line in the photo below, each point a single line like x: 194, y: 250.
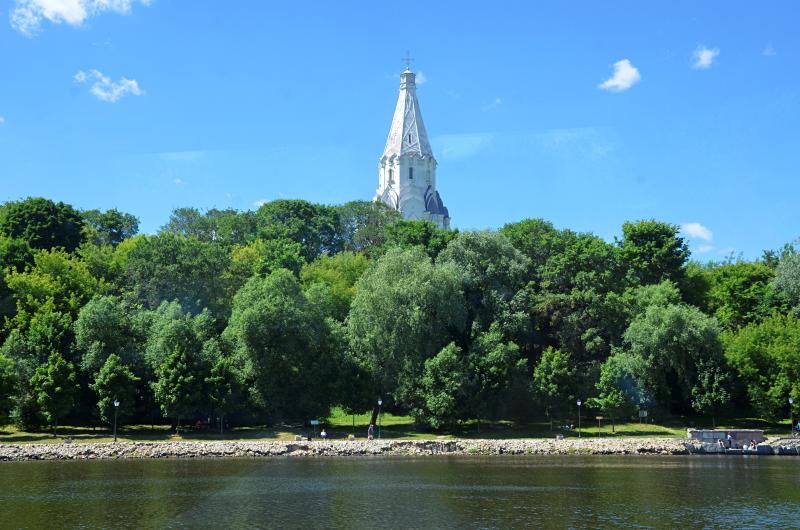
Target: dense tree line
x: 281, y: 313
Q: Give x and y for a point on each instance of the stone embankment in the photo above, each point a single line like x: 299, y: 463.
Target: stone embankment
x: 334, y: 448
x: 244, y: 449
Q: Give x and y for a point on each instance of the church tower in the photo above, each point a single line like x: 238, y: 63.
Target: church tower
x: 407, y: 169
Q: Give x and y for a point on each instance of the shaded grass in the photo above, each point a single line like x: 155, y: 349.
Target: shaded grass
x: 340, y: 424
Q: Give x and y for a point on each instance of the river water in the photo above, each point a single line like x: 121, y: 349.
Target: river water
x: 429, y: 492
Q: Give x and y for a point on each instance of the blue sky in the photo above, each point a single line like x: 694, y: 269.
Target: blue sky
x: 584, y: 113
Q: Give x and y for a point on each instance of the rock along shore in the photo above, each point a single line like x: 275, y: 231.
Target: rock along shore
x: 338, y: 448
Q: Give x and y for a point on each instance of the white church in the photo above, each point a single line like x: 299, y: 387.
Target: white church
x: 407, y: 168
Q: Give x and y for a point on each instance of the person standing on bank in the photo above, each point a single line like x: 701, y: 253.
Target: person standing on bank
x: 370, y: 431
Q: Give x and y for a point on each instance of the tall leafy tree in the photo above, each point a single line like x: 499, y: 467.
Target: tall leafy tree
x: 405, y: 310
x: 654, y: 251
x: 493, y: 272
x: 363, y: 224
x: 284, y: 345
x: 115, y: 381
x: 340, y: 274
x: 8, y: 379
x: 420, y: 233
x: 55, y: 388
x: 787, y: 277
x: 111, y: 227
x: 314, y: 226
x: 445, y: 389
x: 622, y: 388
x: 553, y: 382
x: 42, y: 223
x: 766, y: 358
x: 712, y: 390
x: 179, y: 387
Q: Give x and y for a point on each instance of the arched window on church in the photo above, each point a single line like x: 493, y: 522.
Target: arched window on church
x: 391, y: 175
x: 411, y: 172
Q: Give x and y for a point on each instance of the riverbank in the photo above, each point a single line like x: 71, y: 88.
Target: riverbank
x: 256, y: 449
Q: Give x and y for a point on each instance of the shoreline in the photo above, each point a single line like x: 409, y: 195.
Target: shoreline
x: 350, y: 448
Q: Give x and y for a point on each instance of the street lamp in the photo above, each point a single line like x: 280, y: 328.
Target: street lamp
x: 791, y: 417
x: 380, y: 402
x: 116, y: 407
x: 579, y: 417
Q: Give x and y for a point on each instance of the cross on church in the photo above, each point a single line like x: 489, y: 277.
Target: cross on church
x: 408, y: 60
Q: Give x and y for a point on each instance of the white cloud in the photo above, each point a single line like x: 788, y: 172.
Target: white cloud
x: 177, y: 182
x: 28, y: 15
x: 421, y: 78
x: 625, y: 76
x: 107, y: 90
x: 697, y: 231
x: 2, y: 120
x: 769, y: 51
x: 704, y: 57
x: 702, y: 249
x: 260, y: 202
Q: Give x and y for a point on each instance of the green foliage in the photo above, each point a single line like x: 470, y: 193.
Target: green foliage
x: 111, y: 227
x: 424, y: 234
x: 42, y: 223
x: 672, y: 340
x: 498, y: 370
x: 621, y: 386
x: 740, y: 293
x: 405, y: 310
x: 227, y: 227
x: 223, y: 383
x: 169, y: 267
x: 314, y: 226
x: 766, y: 357
x: 106, y: 326
x: 712, y: 390
x: 553, y: 381
x: 179, y: 387
x: 56, y: 279
x: 363, y: 224
x: 493, y: 272
x: 654, y: 251
x: 284, y: 343
x: 55, y: 387
x: 445, y: 387
x: 787, y: 278
x: 8, y: 380
x: 340, y: 274
x: 115, y: 381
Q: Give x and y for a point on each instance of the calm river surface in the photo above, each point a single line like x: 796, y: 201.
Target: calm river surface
x: 430, y: 492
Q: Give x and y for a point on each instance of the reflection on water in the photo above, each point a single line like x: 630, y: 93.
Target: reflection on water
x: 431, y: 492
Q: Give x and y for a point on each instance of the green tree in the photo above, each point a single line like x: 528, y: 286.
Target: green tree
x: 340, y: 274
x: 227, y: 227
x: 42, y: 223
x: 654, y: 251
x: 285, y: 345
x: 106, y: 325
x: 111, y: 227
x: 787, y: 277
x: 55, y: 387
x: 8, y: 379
x: 179, y: 387
x: 445, y: 387
x: 493, y: 272
x: 314, y: 226
x: 741, y: 292
x: 712, y: 389
x: 170, y: 267
x: 420, y: 233
x: 223, y: 384
x: 115, y: 381
x: 766, y: 358
x: 406, y: 309
x: 553, y: 381
x: 499, y: 374
x: 363, y: 224
x: 621, y: 386
x: 672, y: 340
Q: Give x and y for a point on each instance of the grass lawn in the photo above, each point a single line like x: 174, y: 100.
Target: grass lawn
x: 339, y: 425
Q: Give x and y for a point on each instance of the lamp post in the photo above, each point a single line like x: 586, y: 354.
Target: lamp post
x: 116, y: 407
x: 579, y: 417
x: 791, y: 417
x: 380, y: 402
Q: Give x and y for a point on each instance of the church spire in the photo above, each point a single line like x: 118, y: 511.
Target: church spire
x: 407, y: 136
